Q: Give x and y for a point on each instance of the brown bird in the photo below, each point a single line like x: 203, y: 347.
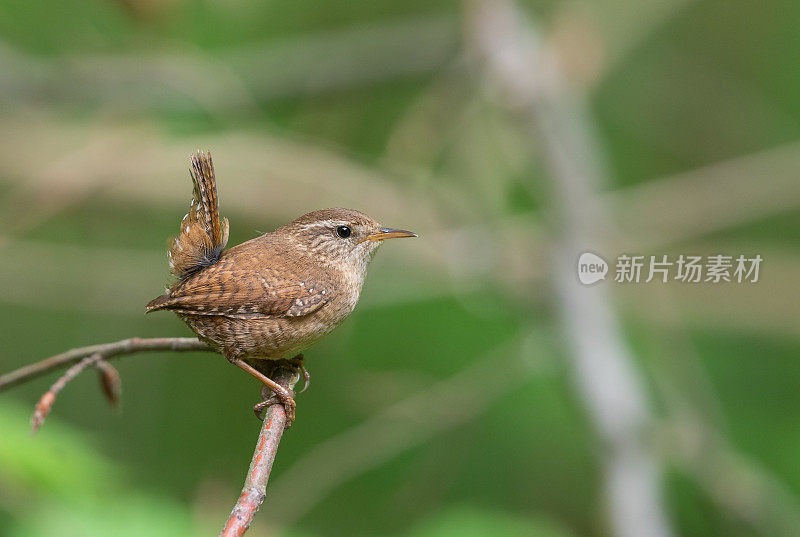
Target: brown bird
x: 275, y: 295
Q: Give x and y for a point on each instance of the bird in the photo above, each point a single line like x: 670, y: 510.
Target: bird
x: 273, y: 296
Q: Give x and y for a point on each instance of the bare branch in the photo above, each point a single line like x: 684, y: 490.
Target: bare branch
x: 255, y: 486
x: 105, y: 350
x: 96, y: 355
x: 45, y: 403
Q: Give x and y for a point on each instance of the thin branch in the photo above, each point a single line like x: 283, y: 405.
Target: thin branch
x: 106, y: 351
x: 255, y: 485
x: 45, y: 404
x: 110, y: 383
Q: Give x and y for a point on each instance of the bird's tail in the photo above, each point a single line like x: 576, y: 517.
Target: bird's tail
x: 203, y: 233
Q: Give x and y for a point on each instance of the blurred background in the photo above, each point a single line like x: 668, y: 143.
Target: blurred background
x: 478, y: 388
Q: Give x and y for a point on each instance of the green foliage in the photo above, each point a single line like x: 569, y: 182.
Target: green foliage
x: 58, y: 484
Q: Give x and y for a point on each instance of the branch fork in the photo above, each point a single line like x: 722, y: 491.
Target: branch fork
x: 284, y: 373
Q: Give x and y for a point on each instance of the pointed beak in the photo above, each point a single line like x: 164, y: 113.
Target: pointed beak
x: 388, y: 233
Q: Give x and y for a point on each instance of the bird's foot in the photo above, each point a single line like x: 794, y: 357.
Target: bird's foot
x: 297, y: 364
x: 280, y: 394
x: 277, y: 398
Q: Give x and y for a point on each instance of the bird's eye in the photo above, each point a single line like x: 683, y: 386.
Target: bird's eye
x: 343, y: 231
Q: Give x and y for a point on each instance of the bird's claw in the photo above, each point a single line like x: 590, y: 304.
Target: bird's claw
x: 283, y: 396
x: 277, y: 399
x: 299, y: 363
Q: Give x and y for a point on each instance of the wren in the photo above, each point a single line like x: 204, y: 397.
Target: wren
x: 272, y: 296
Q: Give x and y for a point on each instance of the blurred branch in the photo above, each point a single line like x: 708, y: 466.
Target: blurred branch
x: 104, y: 351
x: 255, y: 485
x: 43, y: 195
x: 255, y: 166
x: 462, y: 257
x: 528, y: 80
x: 711, y: 198
x: 309, y: 64
x: 737, y: 484
x: 693, y: 436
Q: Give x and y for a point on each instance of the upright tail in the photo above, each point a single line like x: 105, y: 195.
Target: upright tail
x: 203, y: 233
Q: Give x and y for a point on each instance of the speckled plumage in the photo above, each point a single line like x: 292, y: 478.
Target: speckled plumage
x: 274, y: 295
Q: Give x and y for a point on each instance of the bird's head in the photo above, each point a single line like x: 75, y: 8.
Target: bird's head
x: 340, y: 237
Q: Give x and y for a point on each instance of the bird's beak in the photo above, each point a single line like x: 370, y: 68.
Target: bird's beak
x: 388, y: 233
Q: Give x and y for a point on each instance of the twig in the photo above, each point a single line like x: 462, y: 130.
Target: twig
x: 106, y: 351
x: 83, y: 357
x: 45, y: 404
x: 255, y: 486
x: 109, y: 382
x: 271, y: 432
